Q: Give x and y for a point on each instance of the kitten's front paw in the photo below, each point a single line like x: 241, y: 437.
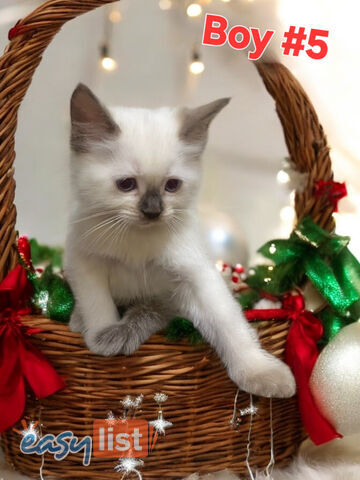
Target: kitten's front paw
x: 266, y: 376
x: 110, y: 341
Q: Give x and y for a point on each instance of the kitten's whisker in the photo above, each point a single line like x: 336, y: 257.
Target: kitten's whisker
x: 106, y: 232
x: 97, y: 226
x: 95, y: 215
x: 111, y: 231
x: 119, y: 234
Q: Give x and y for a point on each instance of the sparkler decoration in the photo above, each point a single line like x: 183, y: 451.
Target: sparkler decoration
x: 129, y: 465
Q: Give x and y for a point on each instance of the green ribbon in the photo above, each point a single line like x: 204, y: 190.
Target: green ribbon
x: 322, y: 257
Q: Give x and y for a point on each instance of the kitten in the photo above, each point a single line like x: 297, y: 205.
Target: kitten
x: 133, y: 239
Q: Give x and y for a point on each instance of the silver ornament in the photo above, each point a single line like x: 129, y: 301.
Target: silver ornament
x: 160, y: 398
x: 223, y: 236
x: 335, y: 381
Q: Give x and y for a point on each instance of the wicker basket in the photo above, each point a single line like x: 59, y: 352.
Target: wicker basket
x: 200, y: 394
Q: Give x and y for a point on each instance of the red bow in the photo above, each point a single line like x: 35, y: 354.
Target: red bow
x: 20, y: 361
x: 334, y: 191
x: 301, y: 354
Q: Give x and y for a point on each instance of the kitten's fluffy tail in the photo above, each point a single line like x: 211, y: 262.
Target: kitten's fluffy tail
x: 299, y: 470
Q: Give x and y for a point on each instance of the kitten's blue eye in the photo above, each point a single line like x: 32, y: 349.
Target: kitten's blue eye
x: 126, y: 184
x: 172, y: 185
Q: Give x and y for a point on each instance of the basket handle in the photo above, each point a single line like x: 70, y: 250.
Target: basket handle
x: 304, y: 137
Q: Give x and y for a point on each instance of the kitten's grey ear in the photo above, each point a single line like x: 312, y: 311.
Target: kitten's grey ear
x: 195, y: 121
x: 91, y: 122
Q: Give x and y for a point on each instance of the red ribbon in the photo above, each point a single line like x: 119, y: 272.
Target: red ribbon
x: 20, y: 361
x: 301, y: 354
x: 18, y: 29
x: 334, y: 191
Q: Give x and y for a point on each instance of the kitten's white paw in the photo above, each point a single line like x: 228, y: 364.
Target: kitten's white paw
x: 266, y: 376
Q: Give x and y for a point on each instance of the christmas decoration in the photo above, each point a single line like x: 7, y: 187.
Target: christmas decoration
x: 290, y: 175
x: 20, y: 361
x: 18, y: 29
x: 53, y: 296
x: 237, y: 415
x: 335, y: 380
x: 233, y: 275
x: 332, y: 191
x: 160, y: 424
x: 43, y: 254
x: 181, y: 328
x: 301, y: 354
x: 128, y: 466
x: 323, y: 258
x: 51, y: 293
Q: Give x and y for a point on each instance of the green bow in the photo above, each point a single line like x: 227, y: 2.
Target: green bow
x: 322, y: 257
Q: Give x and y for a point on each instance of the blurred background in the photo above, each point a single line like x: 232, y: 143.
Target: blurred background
x: 148, y: 53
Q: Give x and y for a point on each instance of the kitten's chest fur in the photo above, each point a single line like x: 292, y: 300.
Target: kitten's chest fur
x: 140, y: 282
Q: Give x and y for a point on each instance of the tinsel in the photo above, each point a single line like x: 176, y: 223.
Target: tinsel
x: 51, y: 293
x: 181, y: 328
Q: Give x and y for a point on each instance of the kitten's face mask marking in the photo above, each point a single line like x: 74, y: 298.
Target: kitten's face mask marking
x: 143, y: 169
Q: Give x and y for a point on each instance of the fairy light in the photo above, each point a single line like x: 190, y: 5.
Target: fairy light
x: 287, y: 214
x: 194, y: 10
x: 115, y: 16
x: 282, y: 176
x: 165, y: 4
x: 107, y: 63
x: 196, y: 66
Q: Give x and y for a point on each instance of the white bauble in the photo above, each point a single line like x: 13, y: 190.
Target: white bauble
x: 223, y: 236
x: 335, y: 381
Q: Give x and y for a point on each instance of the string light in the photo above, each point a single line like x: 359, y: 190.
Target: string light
x: 196, y: 66
x: 115, y: 16
x: 282, y: 176
x: 107, y: 63
x: 287, y: 214
x: 165, y: 4
x: 194, y: 10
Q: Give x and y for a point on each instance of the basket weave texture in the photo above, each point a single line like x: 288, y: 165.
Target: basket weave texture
x: 200, y: 394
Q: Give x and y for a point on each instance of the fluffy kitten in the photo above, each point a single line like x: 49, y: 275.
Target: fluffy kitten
x: 133, y: 239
